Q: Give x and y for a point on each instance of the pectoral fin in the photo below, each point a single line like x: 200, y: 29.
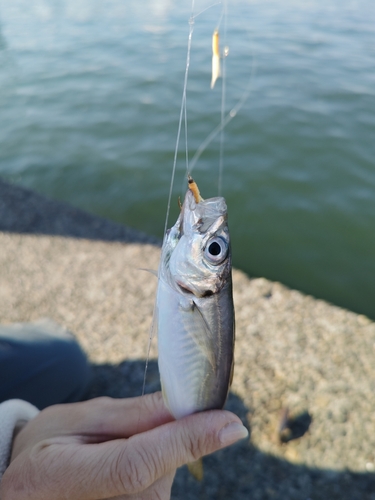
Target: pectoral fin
x: 152, y: 271
x: 200, y: 332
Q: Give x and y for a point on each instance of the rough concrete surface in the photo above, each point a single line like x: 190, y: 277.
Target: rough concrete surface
x: 303, y: 366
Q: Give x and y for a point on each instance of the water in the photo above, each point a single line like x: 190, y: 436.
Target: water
x: 89, y: 103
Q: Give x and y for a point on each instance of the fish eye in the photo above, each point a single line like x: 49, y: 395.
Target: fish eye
x: 216, y: 250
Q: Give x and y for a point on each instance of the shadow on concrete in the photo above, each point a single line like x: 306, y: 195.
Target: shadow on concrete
x: 293, y: 427
x: 240, y: 472
x: 24, y: 211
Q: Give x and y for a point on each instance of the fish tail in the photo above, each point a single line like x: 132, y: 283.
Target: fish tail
x: 196, y: 469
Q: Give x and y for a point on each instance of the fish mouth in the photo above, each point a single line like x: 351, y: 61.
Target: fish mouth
x: 185, y: 289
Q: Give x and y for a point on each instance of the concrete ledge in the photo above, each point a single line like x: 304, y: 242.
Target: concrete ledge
x: 292, y: 352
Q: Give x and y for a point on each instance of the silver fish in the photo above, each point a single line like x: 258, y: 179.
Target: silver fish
x: 194, y: 311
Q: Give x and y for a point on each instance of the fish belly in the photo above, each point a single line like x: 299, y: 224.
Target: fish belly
x: 194, y: 367
x: 182, y: 364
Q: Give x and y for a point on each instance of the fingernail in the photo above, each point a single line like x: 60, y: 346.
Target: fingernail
x: 232, y: 432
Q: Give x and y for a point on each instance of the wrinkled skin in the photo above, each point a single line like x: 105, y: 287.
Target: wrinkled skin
x: 110, y: 449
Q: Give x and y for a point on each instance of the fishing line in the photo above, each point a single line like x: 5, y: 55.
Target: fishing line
x: 225, y: 119
x: 188, y: 170
x: 186, y: 145
x: 228, y: 118
x: 182, y: 112
x: 183, y: 115
x: 207, y: 8
x: 223, y: 90
x: 184, y: 104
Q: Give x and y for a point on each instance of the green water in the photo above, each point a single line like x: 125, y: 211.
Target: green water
x: 90, y: 96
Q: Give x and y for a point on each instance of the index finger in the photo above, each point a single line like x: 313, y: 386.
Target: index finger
x: 123, y: 417
x: 99, y: 419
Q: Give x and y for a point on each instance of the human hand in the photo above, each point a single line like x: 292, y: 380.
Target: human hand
x: 111, y: 448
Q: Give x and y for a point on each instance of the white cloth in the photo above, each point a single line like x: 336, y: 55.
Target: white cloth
x: 11, y: 413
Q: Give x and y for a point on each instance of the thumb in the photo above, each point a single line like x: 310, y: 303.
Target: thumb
x: 148, y: 456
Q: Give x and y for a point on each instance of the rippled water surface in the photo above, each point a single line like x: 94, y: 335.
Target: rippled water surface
x: 90, y: 96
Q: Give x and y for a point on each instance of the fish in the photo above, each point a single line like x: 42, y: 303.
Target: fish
x: 215, y: 58
x: 194, y: 312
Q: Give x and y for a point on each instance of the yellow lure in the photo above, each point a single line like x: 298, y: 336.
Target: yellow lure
x: 215, y: 58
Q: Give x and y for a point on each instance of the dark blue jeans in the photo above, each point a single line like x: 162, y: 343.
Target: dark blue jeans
x: 41, y: 363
